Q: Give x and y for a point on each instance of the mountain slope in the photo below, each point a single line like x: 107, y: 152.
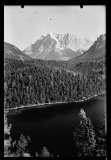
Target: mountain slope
x: 95, y: 52
x: 58, y: 47
x: 12, y: 52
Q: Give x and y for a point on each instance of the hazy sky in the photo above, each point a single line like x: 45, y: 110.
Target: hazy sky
x: 23, y: 27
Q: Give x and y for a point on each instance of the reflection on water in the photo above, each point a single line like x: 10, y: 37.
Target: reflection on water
x: 53, y: 127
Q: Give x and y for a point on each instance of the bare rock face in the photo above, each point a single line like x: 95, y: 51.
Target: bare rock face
x: 95, y: 52
x: 58, y: 47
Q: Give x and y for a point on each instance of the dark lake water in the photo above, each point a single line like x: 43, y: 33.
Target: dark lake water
x: 53, y: 126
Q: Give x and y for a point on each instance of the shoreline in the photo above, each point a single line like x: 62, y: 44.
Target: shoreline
x: 42, y: 105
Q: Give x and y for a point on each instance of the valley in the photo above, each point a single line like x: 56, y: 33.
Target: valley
x: 46, y: 89
x: 33, y: 82
x: 55, y: 81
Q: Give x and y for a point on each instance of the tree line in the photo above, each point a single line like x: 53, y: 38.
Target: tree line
x: 38, y: 81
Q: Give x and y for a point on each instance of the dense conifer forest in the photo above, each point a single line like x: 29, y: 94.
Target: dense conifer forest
x: 38, y: 81
x: 55, y: 81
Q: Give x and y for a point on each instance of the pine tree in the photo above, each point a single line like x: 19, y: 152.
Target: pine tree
x: 45, y: 153
x: 8, y: 144
x: 84, y: 136
x: 20, y: 147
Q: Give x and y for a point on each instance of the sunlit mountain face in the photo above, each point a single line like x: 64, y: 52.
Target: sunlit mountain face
x: 95, y: 52
x: 58, y: 47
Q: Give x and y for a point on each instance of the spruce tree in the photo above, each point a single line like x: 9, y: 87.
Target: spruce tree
x: 45, y: 153
x: 84, y: 136
x: 8, y: 144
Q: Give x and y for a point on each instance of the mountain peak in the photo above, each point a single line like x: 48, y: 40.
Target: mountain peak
x: 96, y: 51
x: 102, y: 37
x: 61, y: 46
x: 100, y: 42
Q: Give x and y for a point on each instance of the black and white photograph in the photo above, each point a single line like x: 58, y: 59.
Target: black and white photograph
x: 55, y: 81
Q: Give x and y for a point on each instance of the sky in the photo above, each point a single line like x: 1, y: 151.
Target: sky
x: 23, y: 26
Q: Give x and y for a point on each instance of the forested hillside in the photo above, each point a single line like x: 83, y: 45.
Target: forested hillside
x: 95, y: 52
x: 12, y: 52
x: 38, y: 81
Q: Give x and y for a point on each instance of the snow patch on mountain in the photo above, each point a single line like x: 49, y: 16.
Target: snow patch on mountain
x: 53, y: 37
x: 41, y: 48
x: 58, y: 51
x: 64, y: 45
x: 65, y: 58
x: 28, y: 50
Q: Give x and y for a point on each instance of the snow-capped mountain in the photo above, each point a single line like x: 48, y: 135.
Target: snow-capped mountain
x: 95, y: 52
x: 12, y: 52
x: 58, y: 47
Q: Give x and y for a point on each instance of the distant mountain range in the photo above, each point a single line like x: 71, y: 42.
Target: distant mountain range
x: 58, y: 47
x: 12, y: 52
x: 95, y: 52
x: 66, y: 47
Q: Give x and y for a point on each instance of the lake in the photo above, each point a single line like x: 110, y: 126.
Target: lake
x: 53, y: 126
